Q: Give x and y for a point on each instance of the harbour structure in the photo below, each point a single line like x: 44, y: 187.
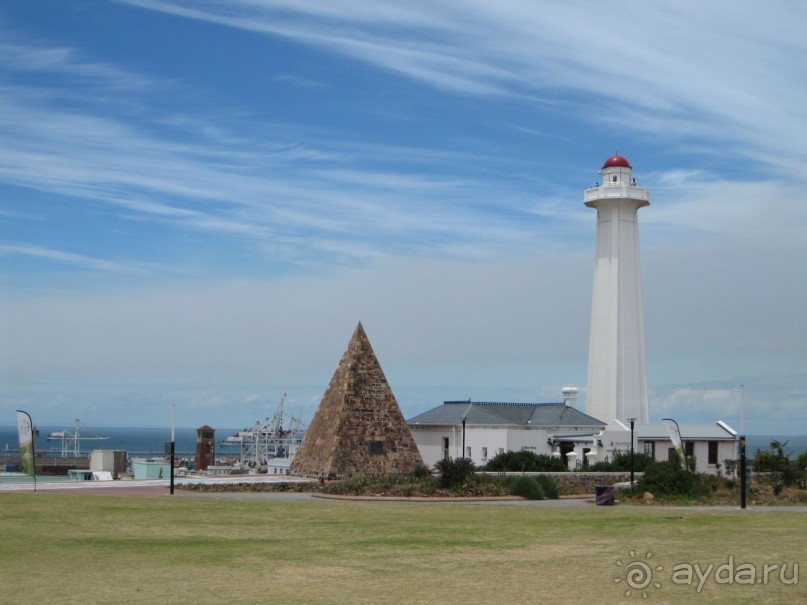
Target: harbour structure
x: 617, y: 373
x: 71, y: 441
x: 269, y: 445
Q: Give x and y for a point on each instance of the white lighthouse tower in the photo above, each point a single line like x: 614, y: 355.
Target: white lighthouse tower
x: 617, y: 374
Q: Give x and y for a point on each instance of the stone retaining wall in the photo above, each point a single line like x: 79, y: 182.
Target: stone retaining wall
x: 583, y: 483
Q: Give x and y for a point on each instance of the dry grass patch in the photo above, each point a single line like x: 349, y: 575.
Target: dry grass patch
x: 78, y: 548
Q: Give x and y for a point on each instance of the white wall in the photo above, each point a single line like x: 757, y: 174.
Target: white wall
x: 726, y: 450
x: 614, y: 439
x: 481, y: 441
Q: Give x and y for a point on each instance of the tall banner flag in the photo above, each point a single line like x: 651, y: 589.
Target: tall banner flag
x: 26, y: 434
x: 675, y: 436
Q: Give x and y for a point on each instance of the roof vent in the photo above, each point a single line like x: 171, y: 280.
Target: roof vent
x: 570, y: 396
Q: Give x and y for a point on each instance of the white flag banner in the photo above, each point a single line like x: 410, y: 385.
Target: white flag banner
x: 26, y: 435
x: 675, y: 436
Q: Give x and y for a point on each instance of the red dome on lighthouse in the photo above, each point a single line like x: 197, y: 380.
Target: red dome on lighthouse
x: 617, y: 161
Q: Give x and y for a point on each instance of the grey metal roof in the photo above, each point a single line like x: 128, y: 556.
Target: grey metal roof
x: 486, y: 413
x: 711, y: 432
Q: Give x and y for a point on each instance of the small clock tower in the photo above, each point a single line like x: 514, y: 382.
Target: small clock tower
x: 205, y: 447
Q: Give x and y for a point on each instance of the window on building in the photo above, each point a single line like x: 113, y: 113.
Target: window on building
x: 446, y: 455
x: 468, y: 452
x: 713, y: 452
x: 689, y: 449
x: 484, y: 453
x: 650, y: 449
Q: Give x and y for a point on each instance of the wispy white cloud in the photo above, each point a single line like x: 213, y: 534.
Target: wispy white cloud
x: 202, y: 176
x: 725, y: 70
x: 17, y: 55
x: 747, y: 209
x: 11, y: 249
x: 468, y: 266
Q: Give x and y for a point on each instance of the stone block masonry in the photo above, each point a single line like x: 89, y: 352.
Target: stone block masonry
x: 358, y: 426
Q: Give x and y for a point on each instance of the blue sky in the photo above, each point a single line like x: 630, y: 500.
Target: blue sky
x: 200, y: 200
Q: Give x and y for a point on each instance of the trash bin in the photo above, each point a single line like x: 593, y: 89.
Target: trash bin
x: 604, y: 496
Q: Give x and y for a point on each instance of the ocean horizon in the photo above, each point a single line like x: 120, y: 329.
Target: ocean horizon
x: 137, y: 441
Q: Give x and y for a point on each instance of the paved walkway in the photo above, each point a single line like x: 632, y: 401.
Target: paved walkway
x: 160, y: 487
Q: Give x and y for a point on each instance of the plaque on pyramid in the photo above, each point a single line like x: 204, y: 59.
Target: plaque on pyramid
x: 358, y: 426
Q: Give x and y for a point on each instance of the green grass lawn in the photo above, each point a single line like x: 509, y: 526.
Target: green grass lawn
x: 65, y: 548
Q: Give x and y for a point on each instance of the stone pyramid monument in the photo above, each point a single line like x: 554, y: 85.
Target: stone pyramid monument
x: 358, y: 426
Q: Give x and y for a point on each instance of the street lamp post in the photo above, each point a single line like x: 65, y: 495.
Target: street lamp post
x: 743, y: 471
x: 173, y: 425
x: 463, y: 437
x: 632, y: 421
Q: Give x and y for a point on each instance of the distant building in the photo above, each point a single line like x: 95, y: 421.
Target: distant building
x: 205, y: 447
x: 709, y: 445
x: 480, y: 430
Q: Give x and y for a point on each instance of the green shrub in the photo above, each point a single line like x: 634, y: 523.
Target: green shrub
x: 491, y: 485
x: 548, y: 486
x: 668, y: 479
x: 453, y: 473
x: 524, y: 461
x: 526, y: 487
x: 620, y: 462
x: 783, y: 470
x: 421, y: 470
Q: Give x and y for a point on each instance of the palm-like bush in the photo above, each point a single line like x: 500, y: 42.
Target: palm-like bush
x: 453, y: 473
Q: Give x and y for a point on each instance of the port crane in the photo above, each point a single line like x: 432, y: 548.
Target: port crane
x: 277, y: 436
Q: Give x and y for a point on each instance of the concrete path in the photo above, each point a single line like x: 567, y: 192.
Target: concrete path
x: 160, y: 487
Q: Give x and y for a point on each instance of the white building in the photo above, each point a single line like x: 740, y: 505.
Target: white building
x: 617, y: 374
x: 480, y: 430
x: 709, y: 445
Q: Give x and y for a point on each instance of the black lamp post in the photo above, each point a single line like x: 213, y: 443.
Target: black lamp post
x: 743, y: 471
x: 173, y: 424
x: 632, y: 421
x: 463, y: 437
x: 464, y: 418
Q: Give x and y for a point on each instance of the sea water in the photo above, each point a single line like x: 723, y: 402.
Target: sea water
x: 138, y: 442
